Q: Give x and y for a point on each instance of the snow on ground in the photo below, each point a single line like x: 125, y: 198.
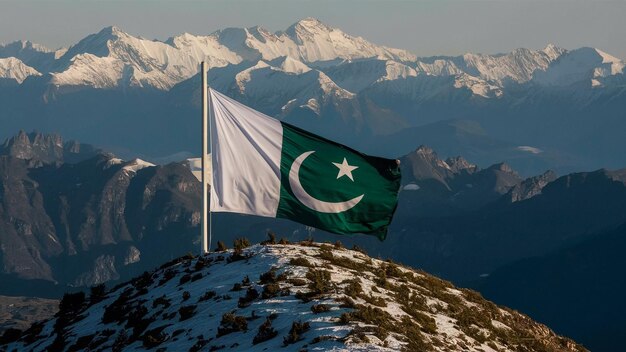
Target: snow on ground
x: 345, y: 300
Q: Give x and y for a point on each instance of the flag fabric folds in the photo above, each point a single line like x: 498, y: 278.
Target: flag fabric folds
x: 262, y: 166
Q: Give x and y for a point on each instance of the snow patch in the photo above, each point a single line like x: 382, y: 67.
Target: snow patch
x: 136, y: 165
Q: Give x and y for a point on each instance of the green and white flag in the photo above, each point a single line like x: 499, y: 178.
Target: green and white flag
x: 265, y: 167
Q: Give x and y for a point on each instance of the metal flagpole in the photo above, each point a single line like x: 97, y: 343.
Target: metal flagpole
x: 206, y: 212
x: 206, y: 155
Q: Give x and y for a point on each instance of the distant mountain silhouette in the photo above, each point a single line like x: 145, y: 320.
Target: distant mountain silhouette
x: 569, y: 288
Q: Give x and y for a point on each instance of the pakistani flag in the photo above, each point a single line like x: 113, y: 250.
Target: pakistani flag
x: 265, y: 167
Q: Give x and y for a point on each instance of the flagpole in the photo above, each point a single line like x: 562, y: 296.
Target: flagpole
x: 206, y: 212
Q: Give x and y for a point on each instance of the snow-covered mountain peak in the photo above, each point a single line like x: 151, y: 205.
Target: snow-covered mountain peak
x: 584, y: 65
x: 290, y: 297
x: 319, y: 42
x: 291, y: 65
x: 25, y: 45
x: 308, y: 25
x: 553, y: 51
x: 14, y: 69
x: 617, y: 65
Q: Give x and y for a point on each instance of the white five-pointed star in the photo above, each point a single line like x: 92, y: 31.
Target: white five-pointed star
x: 345, y: 169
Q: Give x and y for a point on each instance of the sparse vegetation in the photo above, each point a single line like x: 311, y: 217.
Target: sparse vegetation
x: 143, y: 281
x: 221, y: 247
x: 207, y: 296
x: 201, y: 263
x: 270, y: 277
x: 266, y: 332
x: 320, y: 281
x: 359, y: 249
x: 297, y: 329
x: 120, y: 341
x: 196, y: 277
x: 353, y: 288
x: 154, y: 337
x: 320, y: 308
x: 231, y: 323
x: 186, y: 295
x: 270, y: 290
x: 239, y: 245
x: 323, y: 338
x: 71, y: 303
x: 300, y: 261
x: 271, y: 239
x: 161, y: 301
x: 297, y: 281
x: 184, y: 279
x: 167, y: 276
x: 187, y: 312
x: 97, y: 293
x: 251, y: 295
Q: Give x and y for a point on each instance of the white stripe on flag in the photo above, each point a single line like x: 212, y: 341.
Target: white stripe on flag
x: 246, y: 149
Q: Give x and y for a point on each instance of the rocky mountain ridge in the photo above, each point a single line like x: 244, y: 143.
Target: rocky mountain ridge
x: 72, y: 215
x: 42, y: 149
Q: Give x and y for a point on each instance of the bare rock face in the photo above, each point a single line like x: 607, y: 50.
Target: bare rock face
x: 133, y: 255
x: 56, y: 216
x: 435, y: 186
x: 531, y: 187
x: 42, y: 149
x: 103, y: 270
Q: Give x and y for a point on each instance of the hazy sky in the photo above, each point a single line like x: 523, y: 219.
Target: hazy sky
x: 423, y: 27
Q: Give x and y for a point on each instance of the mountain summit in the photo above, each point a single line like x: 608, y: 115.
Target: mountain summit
x: 292, y: 297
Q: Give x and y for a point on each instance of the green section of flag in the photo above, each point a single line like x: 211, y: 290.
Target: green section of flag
x: 335, y: 188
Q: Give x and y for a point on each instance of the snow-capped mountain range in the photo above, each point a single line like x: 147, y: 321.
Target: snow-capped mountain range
x: 377, y: 99
x: 342, y: 64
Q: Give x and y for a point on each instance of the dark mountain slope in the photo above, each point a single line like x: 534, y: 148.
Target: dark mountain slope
x: 81, y: 223
x: 464, y: 246
x: 577, y: 290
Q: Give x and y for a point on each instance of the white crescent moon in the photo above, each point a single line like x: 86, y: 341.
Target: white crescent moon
x: 308, y: 200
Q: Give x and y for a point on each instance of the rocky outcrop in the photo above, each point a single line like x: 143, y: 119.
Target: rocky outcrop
x: 434, y: 186
x: 530, y: 187
x: 43, y: 149
x: 80, y: 223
